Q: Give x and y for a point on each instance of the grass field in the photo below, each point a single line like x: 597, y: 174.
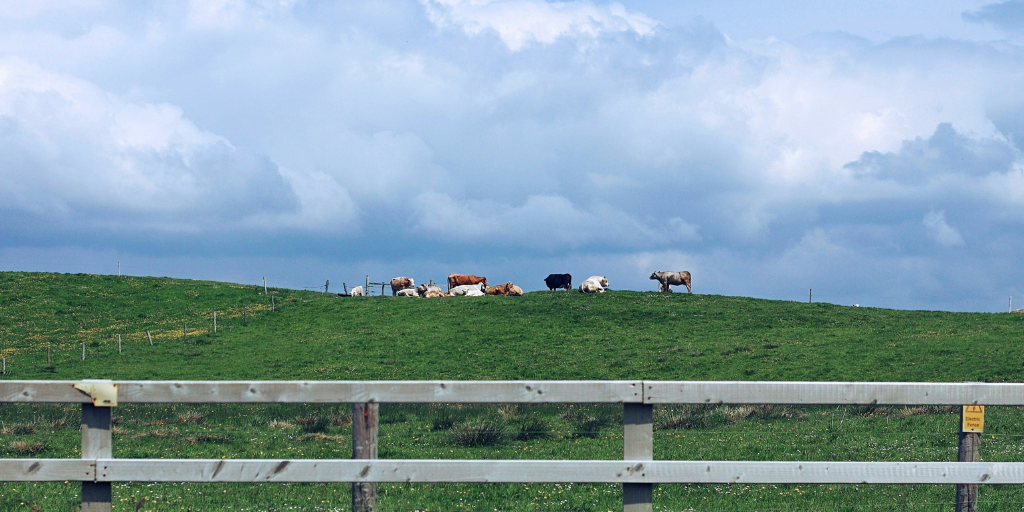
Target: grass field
x: 543, y: 335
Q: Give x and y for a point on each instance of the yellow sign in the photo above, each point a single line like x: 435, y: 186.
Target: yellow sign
x: 973, y: 419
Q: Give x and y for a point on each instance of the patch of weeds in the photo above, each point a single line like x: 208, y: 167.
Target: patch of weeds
x: 19, y: 429
x: 770, y: 346
x: 479, y: 432
x: 736, y: 350
x: 191, y: 416
x: 690, y: 417
x: 532, y: 428
x: 391, y: 415
x: 26, y: 448
x: 204, y: 438
x: 445, y: 417
x: 587, y: 426
x: 312, y: 423
x: 321, y: 437
x: 281, y: 424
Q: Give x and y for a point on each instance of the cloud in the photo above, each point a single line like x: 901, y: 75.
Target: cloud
x: 548, y: 222
x: 519, y: 23
x: 516, y: 135
x: 1007, y: 16
x: 940, y: 231
x: 73, y: 151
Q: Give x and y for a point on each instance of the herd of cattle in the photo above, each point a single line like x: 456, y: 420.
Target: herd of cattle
x: 468, y: 285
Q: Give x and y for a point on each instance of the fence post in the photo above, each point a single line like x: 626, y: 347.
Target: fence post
x: 638, y: 444
x: 96, y: 496
x: 364, y: 446
x: 968, y: 450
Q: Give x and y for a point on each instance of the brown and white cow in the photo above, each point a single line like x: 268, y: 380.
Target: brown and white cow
x: 401, y: 283
x: 463, y: 279
x: 667, y: 279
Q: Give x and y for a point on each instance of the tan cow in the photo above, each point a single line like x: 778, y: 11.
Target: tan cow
x: 513, y: 290
x: 435, y: 293
x: 667, y: 279
x: 462, y: 279
x: 401, y: 283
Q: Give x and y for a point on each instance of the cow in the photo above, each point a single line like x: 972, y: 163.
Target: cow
x: 498, y: 289
x: 432, y: 293
x: 464, y: 288
x: 475, y: 292
x: 408, y: 292
x: 401, y: 283
x: 594, y: 284
x: 460, y: 279
x: 667, y: 279
x: 513, y: 290
x: 556, y: 281
x: 357, y: 291
x: 424, y: 288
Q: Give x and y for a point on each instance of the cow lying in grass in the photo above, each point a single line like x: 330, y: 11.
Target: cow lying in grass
x: 667, y: 279
x: 465, y: 289
x: 408, y: 292
x: 594, y: 284
x: 505, y: 289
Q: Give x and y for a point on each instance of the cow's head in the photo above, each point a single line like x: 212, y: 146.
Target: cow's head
x: 654, y: 275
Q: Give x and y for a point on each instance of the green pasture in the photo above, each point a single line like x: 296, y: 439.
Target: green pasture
x: 543, y: 335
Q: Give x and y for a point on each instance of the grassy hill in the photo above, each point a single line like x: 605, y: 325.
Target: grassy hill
x: 543, y: 335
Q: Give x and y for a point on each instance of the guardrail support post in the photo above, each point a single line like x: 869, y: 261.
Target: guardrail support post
x: 96, y: 496
x: 638, y: 444
x: 364, y: 446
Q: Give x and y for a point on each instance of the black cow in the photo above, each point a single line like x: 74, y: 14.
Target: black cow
x: 555, y: 281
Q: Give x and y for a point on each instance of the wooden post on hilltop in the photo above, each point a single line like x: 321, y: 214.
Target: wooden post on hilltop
x: 367, y: 289
x: 96, y: 496
x: 364, y: 446
x: 810, y: 292
x: 972, y: 424
x: 150, y: 336
x: 327, y: 285
x: 638, y: 444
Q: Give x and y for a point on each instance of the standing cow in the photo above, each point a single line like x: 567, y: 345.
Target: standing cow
x: 667, y: 279
x: 461, y: 279
x: 556, y: 281
x: 401, y: 283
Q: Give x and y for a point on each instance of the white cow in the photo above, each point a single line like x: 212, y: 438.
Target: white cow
x: 357, y: 291
x: 408, y: 292
x: 466, y: 288
x: 594, y: 284
x: 475, y: 293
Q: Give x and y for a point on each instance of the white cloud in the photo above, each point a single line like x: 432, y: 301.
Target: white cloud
x: 938, y: 230
x: 521, y: 22
x: 73, y: 149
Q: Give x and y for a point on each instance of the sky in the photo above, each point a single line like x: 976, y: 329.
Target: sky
x: 863, y: 150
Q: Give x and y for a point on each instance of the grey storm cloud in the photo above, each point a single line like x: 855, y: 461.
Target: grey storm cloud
x: 1007, y: 16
